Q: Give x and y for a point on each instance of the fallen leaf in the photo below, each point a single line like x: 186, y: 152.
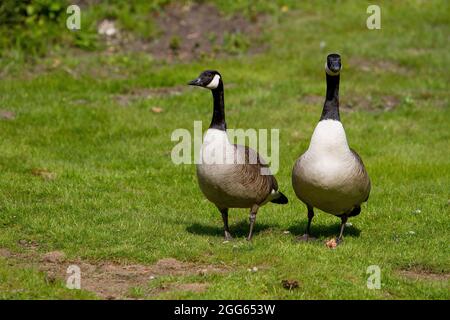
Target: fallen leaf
x: 44, y: 174
x: 56, y: 63
x: 157, y: 110
x: 107, y: 28
x: 332, y: 244
x: 289, y: 284
x: 7, y: 115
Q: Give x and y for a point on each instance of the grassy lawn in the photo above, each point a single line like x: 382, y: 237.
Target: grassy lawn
x: 110, y: 192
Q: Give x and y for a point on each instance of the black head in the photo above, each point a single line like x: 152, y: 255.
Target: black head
x: 207, y: 79
x: 333, y: 65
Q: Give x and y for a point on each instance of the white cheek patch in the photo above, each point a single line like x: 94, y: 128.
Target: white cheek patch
x: 214, y: 82
x: 329, y: 72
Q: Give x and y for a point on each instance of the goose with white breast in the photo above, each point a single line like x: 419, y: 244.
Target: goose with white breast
x: 230, y: 175
x: 331, y: 176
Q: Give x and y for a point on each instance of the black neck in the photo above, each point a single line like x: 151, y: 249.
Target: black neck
x: 331, y: 106
x: 218, y: 119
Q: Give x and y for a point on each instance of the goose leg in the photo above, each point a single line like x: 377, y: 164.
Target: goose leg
x: 253, y: 212
x: 307, y: 235
x: 343, y: 222
x: 224, y: 213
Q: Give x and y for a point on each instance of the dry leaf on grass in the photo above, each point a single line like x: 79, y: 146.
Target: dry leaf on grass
x: 157, y: 110
x: 332, y: 244
x: 289, y: 284
x: 7, y: 115
x: 44, y: 174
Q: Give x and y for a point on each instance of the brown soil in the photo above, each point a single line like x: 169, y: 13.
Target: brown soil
x: 312, y: 99
x: 191, y: 31
x: 29, y: 244
x: 289, y: 284
x: 420, y: 273
x: 194, y: 287
x: 369, y: 103
x: 54, y: 257
x: 353, y: 102
x: 7, y: 115
x: 111, y: 280
x: 148, y: 93
x: 43, y: 173
x: 371, y: 65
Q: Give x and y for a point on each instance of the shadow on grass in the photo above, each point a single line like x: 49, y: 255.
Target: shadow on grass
x: 325, y: 231
x: 237, y: 230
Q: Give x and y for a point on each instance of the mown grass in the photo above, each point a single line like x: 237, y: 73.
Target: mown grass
x: 118, y: 196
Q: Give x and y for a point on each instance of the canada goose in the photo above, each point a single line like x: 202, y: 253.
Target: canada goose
x: 227, y: 175
x: 331, y: 176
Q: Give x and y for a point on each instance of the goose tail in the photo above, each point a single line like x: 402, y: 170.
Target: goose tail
x: 280, y: 199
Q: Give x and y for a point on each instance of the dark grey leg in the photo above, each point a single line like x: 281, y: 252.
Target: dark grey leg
x: 224, y: 213
x: 344, y: 219
x: 307, y: 236
x: 253, y: 212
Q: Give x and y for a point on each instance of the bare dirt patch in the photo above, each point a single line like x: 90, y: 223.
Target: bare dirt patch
x: 354, y: 102
x: 376, y: 66
x: 54, y: 257
x: 313, y: 99
x: 289, y: 284
x: 137, y: 94
x: 420, y: 273
x: 29, y: 244
x: 430, y: 97
x: 189, y: 31
x: 43, y: 173
x: 193, y: 287
x: 370, y: 103
x: 192, y: 30
x: 7, y: 115
x: 111, y: 280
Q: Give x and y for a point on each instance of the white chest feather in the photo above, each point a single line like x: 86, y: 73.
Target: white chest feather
x: 328, y: 158
x: 329, y: 139
x: 216, y: 148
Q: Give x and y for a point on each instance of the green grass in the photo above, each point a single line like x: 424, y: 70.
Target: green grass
x: 118, y: 196
x: 30, y: 284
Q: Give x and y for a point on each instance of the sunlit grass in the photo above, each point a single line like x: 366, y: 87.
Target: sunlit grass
x: 118, y: 196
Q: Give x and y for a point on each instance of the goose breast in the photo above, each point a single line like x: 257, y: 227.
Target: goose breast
x: 334, y: 184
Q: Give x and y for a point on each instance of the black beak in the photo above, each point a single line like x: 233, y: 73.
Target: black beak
x: 195, y: 82
x: 335, y: 66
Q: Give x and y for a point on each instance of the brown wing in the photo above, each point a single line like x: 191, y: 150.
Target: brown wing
x: 249, y: 173
x: 362, y: 172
